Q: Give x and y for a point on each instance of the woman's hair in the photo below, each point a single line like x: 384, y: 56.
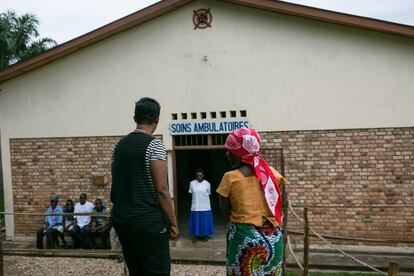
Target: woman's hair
x: 147, y: 111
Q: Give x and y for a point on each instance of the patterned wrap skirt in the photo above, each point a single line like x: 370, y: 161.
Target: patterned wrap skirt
x: 253, y: 250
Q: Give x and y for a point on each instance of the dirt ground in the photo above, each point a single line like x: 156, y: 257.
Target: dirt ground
x: 39, y: 266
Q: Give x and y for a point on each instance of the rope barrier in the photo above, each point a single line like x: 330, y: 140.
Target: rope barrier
x: 107, y: 213
x: 333, y: 247
x: 351, y: 206
x: 92, y: 214
x: 352, y: 239
x: 293, y: 254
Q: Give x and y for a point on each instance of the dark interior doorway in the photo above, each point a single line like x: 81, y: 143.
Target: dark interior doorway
x: 214, y: 163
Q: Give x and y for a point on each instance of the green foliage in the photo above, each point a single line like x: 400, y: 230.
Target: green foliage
x: 19, y: 38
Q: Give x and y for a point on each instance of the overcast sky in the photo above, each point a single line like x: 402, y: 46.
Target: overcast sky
x: 65, y: 20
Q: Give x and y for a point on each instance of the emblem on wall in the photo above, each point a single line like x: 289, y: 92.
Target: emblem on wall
x: 202, y: 18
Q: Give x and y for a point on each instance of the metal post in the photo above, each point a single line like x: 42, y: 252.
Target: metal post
x: 285, y: 209
x: 285, y: 231
x: 1, y: 247
x: 393, y: 269
x: 306, y: 244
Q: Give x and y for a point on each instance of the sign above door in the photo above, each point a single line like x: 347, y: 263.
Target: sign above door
x: 206, y: 126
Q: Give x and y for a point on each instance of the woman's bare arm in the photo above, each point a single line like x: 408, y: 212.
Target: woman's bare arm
x: 225, y: 207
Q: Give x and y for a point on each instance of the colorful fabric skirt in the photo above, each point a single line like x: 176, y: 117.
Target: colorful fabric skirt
x: 201, y: 224
x: 253, y: 250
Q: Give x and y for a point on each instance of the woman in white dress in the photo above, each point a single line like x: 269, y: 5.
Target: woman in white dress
x: 201, y: 218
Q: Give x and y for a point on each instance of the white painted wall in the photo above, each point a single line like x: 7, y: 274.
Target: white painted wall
x: 289, y: 73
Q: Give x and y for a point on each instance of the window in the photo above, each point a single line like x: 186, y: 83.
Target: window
x: 191, y: 140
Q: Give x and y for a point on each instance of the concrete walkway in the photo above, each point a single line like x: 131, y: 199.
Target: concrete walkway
x: 322, y: 258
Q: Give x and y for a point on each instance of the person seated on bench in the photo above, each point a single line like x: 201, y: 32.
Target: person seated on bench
x: 52, y: 226
x: 101, y: 225
x: 81, y: 224
x: 67, y: 221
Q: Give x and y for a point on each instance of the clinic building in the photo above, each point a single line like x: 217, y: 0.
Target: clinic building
x: 331, y: 95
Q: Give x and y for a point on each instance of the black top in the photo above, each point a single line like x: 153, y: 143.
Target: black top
x: 135, y: 204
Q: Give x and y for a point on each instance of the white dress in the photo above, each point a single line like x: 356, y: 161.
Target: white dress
x: 200, y: 195
x: 201, y: 219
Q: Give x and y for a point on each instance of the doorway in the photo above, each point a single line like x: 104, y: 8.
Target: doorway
x: 215, y: 164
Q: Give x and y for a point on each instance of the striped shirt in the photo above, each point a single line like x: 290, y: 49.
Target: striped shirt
x: 135, y: 203
x: 155, y: 151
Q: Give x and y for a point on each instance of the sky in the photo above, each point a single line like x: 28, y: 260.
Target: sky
x: 66, y: 20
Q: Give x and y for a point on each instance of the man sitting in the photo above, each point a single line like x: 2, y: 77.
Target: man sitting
x: 80, y: 233
x: 52, y: 226
x: 100, y: 225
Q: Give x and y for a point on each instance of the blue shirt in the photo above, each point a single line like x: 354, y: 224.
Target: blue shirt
x: 99, y: 219
x: 54, y: 221
x: 66, y: 210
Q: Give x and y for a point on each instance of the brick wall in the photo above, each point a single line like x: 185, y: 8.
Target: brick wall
x: 359, y: 167
x: 41, y: 166
x: 60, y: 165
x: 351, y: 167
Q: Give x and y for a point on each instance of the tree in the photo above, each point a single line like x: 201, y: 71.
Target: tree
x: 19, y: 38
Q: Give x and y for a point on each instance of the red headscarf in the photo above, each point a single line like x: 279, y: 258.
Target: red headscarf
x: 245, y: 143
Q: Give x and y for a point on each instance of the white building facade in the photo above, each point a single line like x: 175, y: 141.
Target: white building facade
x: 287, y: 75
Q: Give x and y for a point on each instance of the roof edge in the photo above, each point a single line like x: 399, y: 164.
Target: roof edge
x: 99, y: 34
x: 329, y: 16
x: 163, y: 7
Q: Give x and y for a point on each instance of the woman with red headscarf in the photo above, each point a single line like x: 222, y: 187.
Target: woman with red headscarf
x: 250, y: 196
